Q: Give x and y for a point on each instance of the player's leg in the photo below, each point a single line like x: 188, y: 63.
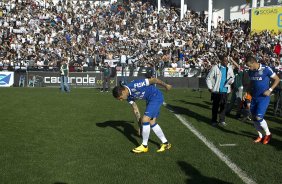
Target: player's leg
x: 253, y: 109
x: 159, y: 133
x: 261, y: 110
x: 143, y: 148
x: 153, y: 111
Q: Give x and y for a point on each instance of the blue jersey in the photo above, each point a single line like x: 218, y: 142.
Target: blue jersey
x: 260, y: 80
x: 141, y: 89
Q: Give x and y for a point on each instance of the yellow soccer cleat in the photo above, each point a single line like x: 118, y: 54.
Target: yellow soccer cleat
x: 164, y: 147
x: 140, y: 149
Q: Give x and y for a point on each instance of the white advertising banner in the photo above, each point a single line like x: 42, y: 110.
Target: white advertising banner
x: 77, y: 79
x: 173, y: 72
x: 111, y: 62
x: 6, y: 79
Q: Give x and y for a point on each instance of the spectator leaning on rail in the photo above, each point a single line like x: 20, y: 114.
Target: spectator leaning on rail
x: 219, y: 81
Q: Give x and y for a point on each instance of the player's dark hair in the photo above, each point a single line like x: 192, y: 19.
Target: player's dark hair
x: 251, y: 59
x: 117, y: 91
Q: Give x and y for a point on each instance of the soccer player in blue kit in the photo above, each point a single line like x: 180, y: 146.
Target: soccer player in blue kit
x: 145, y: 89
x: 259, y: 88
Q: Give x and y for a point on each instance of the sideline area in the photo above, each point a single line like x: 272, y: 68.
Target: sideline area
x: 243, y: 175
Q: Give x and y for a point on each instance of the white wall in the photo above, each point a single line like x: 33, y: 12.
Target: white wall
x: 227, y: 9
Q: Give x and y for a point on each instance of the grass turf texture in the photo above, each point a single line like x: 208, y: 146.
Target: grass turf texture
x: 86, y: 137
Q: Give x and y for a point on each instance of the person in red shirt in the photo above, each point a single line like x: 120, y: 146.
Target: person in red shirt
x: 277, y: 49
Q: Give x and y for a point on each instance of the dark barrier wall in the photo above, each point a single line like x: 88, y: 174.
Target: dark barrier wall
x: 177, y: 82
x: 202, y: 83
x: 52, y: 79
x: 90, y: 79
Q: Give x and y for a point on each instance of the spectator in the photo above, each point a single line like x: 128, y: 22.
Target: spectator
x: 106, y: 76
x: 64, y: 73
x: 237, y: 88
x: 150, y: 71
x: 84, y: 28
x: 123, y: 59
x: 219, y: 82
x: 277, y: 49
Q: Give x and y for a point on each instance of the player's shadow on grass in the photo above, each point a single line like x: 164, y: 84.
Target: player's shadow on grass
x: 126, y: 128
x: 276, y: 143
x: 195, y: 176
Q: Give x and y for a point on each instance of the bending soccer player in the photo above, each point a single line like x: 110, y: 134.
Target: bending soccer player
x: 144, y: 89
x: 260, y: 76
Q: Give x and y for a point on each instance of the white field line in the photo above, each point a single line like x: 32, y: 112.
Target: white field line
x: 213, y: 148
x: 227, y: 144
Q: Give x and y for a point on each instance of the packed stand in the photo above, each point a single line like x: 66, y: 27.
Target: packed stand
x: 37, y: 35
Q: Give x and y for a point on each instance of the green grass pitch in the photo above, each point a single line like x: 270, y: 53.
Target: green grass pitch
x: 86, y: 136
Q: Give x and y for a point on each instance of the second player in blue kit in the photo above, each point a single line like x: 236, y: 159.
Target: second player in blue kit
x: 260, y: 90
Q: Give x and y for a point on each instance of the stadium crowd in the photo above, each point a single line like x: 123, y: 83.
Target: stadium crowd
x: 38, y: 35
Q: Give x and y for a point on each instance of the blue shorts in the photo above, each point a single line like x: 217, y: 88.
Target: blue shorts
x: 153, y: 108
x: 259, y: 106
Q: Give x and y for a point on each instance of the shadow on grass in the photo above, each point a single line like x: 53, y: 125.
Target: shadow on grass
x: 195, y: 177
x: 126, y: 129
x: 275, y: 132
x: 276, y: 143
x: 60, y: 183
x: 195, y: 104
x: 275, y: 119
x: 201, y: 118
x: 192, y: 114
x: 207, y: 102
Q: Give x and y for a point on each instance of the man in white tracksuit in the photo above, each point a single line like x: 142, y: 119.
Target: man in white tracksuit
x: 219, y: 81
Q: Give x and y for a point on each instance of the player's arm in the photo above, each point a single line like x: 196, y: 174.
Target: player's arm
x: 136, y: 112
x: 159, y: 82
x: 137, y: 115
x: 275, y: 82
